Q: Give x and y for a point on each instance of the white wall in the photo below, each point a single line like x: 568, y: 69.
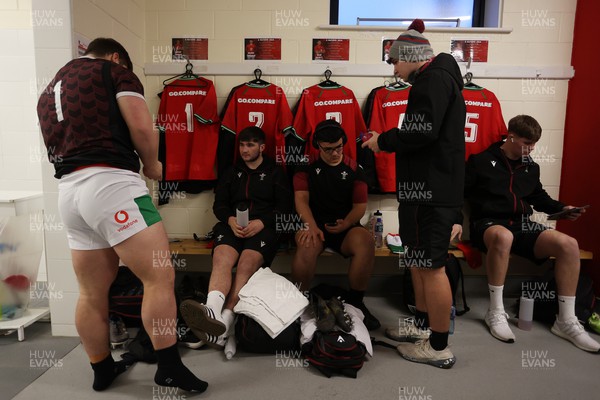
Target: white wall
x: 20, y: 151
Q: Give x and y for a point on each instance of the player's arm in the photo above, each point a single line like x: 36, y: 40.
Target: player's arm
x: 312, y: 234
x: 359, y: 207
x: 145, y: 140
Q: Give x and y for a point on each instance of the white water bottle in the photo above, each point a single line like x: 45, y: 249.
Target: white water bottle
x: 230, y: 346
x: 525, y: 313
x: 241, y: 215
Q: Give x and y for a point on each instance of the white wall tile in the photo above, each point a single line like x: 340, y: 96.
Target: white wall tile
x: 66, y: 330
x: 161, y: 5
x: 9, y: 5
x: 213, y: 5
x: 550, y: 173
x: 117, y: 9
x: 57, y: 246
x: 174, y: 24
x: 62, y: 278
x: 62, y: 310
x: 238, y: 24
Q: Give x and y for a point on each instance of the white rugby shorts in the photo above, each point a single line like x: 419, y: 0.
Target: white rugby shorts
x: 102, y: 206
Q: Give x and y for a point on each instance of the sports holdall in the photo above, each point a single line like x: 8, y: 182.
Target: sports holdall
x: 335, y: 352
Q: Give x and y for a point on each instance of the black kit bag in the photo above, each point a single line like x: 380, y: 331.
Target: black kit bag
x: 125, y: 297
x: 252, y: 338
x: 545, y: 298
x: 335, y: 352
x: 140, y: 349
x: 455, y: 277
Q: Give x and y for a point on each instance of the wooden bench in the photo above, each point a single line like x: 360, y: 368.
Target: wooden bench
x: 181, y: 248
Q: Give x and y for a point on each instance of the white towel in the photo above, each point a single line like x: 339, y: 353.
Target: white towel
x: 271, y: 300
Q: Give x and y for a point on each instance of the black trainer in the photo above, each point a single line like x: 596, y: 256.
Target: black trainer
x: 370, y: 321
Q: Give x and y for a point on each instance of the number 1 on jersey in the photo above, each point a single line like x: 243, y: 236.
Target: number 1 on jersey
x: 189, y: 113
x: 57, y: 103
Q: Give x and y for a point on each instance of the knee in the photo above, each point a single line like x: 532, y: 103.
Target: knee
x: 361, y: 243
x: 248, y: 267
x: 499, y: 240
x: 568, y: 246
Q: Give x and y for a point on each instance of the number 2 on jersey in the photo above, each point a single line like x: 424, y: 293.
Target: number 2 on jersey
x: 257, y: 118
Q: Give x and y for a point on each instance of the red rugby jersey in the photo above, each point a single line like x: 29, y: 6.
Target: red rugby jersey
x: 387, y: 108
x: 320, y: 102
x: 264, y: 106
x: 484, y: 124
x: 188, y: 116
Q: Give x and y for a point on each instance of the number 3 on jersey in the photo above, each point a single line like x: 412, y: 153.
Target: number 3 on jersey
x: 471, y: 128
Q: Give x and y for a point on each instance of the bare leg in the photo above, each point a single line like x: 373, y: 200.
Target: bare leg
x: 147, y: 255
x: 359, y: 244
x: 438, y: 297
x: 224, y: 258
x: 567, y: 264
x: 95, y: 271
x: 498, y: 241
x: 248, y: 264
x: 304, y: 265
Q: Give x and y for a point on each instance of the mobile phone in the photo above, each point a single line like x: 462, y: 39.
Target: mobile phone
x: 566, y: 213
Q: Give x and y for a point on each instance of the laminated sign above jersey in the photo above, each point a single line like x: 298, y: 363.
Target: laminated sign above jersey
x: 188, y: 118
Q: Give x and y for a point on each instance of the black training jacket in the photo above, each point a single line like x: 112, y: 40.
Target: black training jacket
x: 265, y: 190
x: 496, y: 189
x: 430, y: 146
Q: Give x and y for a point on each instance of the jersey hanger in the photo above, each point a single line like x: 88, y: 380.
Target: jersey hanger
x: 328, y: 82
x: 187, y: 75
x: 257, y: 78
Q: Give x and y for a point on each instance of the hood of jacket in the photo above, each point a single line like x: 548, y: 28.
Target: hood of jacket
x: 446, y: 62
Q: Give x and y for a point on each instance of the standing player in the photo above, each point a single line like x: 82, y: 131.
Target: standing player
x: 94, y: 116
x: 430, y: 151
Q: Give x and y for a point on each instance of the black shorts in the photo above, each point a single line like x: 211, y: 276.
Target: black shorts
x: 334, y: 240
x: 425, y: 233
x: 525, y: 235
x: 266, y: 242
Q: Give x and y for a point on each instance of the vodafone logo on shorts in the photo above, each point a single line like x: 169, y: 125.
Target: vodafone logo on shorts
x: 121, y: 216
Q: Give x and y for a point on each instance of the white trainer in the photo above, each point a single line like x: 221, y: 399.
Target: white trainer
x: 573, y: 331
x: 497, y: 321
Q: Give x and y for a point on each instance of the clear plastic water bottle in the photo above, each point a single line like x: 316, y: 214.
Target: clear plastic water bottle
x: 242, y: 215
x: 452, y: 316
x: 378, y: 230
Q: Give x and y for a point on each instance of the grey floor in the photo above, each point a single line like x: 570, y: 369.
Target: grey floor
x: 538, y: 366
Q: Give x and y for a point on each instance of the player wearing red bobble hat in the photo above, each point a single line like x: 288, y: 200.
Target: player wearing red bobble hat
x: 430, y: 148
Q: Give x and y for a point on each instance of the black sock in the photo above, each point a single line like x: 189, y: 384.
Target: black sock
x: 438, y: 340
x: 421, y: 319
x: 171, y: 372
x: 106, y: 371
x: 355, y: 297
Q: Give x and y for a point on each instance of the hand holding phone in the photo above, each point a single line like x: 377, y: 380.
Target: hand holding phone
x: 566, y: 213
